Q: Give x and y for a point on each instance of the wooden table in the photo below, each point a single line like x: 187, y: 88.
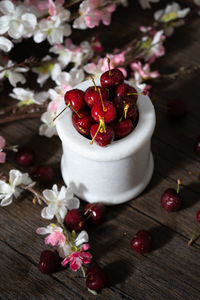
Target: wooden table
x: 172, y: 270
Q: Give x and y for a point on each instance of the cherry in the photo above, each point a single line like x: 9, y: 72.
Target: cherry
x: 92, y: 95
x: 170, y: 200
x: 82, y: 123
x: 124, y: 90
x: 96, y: 211
x: 25, y: 156
x: 74, y: 220
x: 108, y: 112
x: 125, y: 107
x: 176, y: 109
x: 196, y: 233
x: 111, y: 78
x: 197, y: 145
x: 44, y: 174
x: 95, y: 278
x: 122, y: 128
x: 135, y: 119
x: 102, y: 137
x: 75, y: 99
x: 143, y: 242
x: 198, y: 216
x: 50, y: 262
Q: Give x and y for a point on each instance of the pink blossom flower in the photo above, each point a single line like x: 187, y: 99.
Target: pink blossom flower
x: 143, y: 71
x: 55, y: 239
x: 2, y: 154
x: 92, y: 12
x: 77, y: 258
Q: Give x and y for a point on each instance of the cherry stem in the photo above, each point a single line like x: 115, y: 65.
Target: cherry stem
x: 178, y: 186
x: 102, y: 127
x: 126, y: 110
x: 194, y: 236
x: 95, y: 87
x: 61, y: 112
x: 108, y: 60
x: 104, y: 109
x: 85, y: 213
x: 74, y: 110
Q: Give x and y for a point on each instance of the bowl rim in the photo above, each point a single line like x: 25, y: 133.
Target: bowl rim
x: 116, y: 150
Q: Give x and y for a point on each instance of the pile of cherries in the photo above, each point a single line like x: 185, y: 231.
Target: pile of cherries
x: 107, y: 112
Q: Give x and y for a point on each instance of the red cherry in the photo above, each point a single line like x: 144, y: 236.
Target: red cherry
x: 95, y: 278
x: 124, y: 90
x: 92, y: 95
x: 125, y: 103
x: 82, y: 123
x: 197, y: 145
x: 176, y: 109
x: 74, y: 220
x: 75, y: 98
x: 135, y: 119
x: 198, y: 216
x: 111, y: 78
x: 108, y: 115
x: 25, y: 156
x: 143, y: 242
x: 102, y: 138
x: 170, y: 200
x: 96, y: 211
x: 50, y: 262
x: 122, y: 128
x: 44, y: 174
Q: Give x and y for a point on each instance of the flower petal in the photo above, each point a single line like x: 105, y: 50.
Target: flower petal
x: 6, y: 7
x: 82, y: 238
x: 7, y: 200
x: 5, y: 44
x: 73, y: 203
x: 16, y: 29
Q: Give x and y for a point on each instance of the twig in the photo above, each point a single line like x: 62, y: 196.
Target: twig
x: 16, y: 117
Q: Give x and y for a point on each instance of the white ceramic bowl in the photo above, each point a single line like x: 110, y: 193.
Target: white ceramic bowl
x: 113, y: 174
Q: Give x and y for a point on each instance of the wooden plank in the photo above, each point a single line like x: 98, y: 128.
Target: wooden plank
x: 112, y: 249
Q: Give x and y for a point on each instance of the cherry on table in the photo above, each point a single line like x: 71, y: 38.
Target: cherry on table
x: 198, y: 216
x: 74, y: 220
x: 122, y: 128
x: 197, y: 145
x: 96, y: 211
x: 143, y: 242
x: 95, y: 278
x: 176, y: 109
x: 83, y: 122
x: 50, y: 262
x: 25, y: 156
x: 75, y: 99
x: 44, y: 174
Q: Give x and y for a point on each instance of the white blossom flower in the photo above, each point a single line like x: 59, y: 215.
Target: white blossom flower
x: 65, y: 250
x: 5, y: 44
x: 26, y: 96
x: 146, y: 3
x: 12, y: 189
x: 53, y: 28
x: 16, y: 21
x: 48, y: 129
x: 56, y: 95
x: 47, y: 70
x: 156, y: 48
x: 70, y: 79
x: 72, y: 53
x: 172, y: 12
x: 13, y: 75
x: 59, y: 202
x: 197, y: 2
